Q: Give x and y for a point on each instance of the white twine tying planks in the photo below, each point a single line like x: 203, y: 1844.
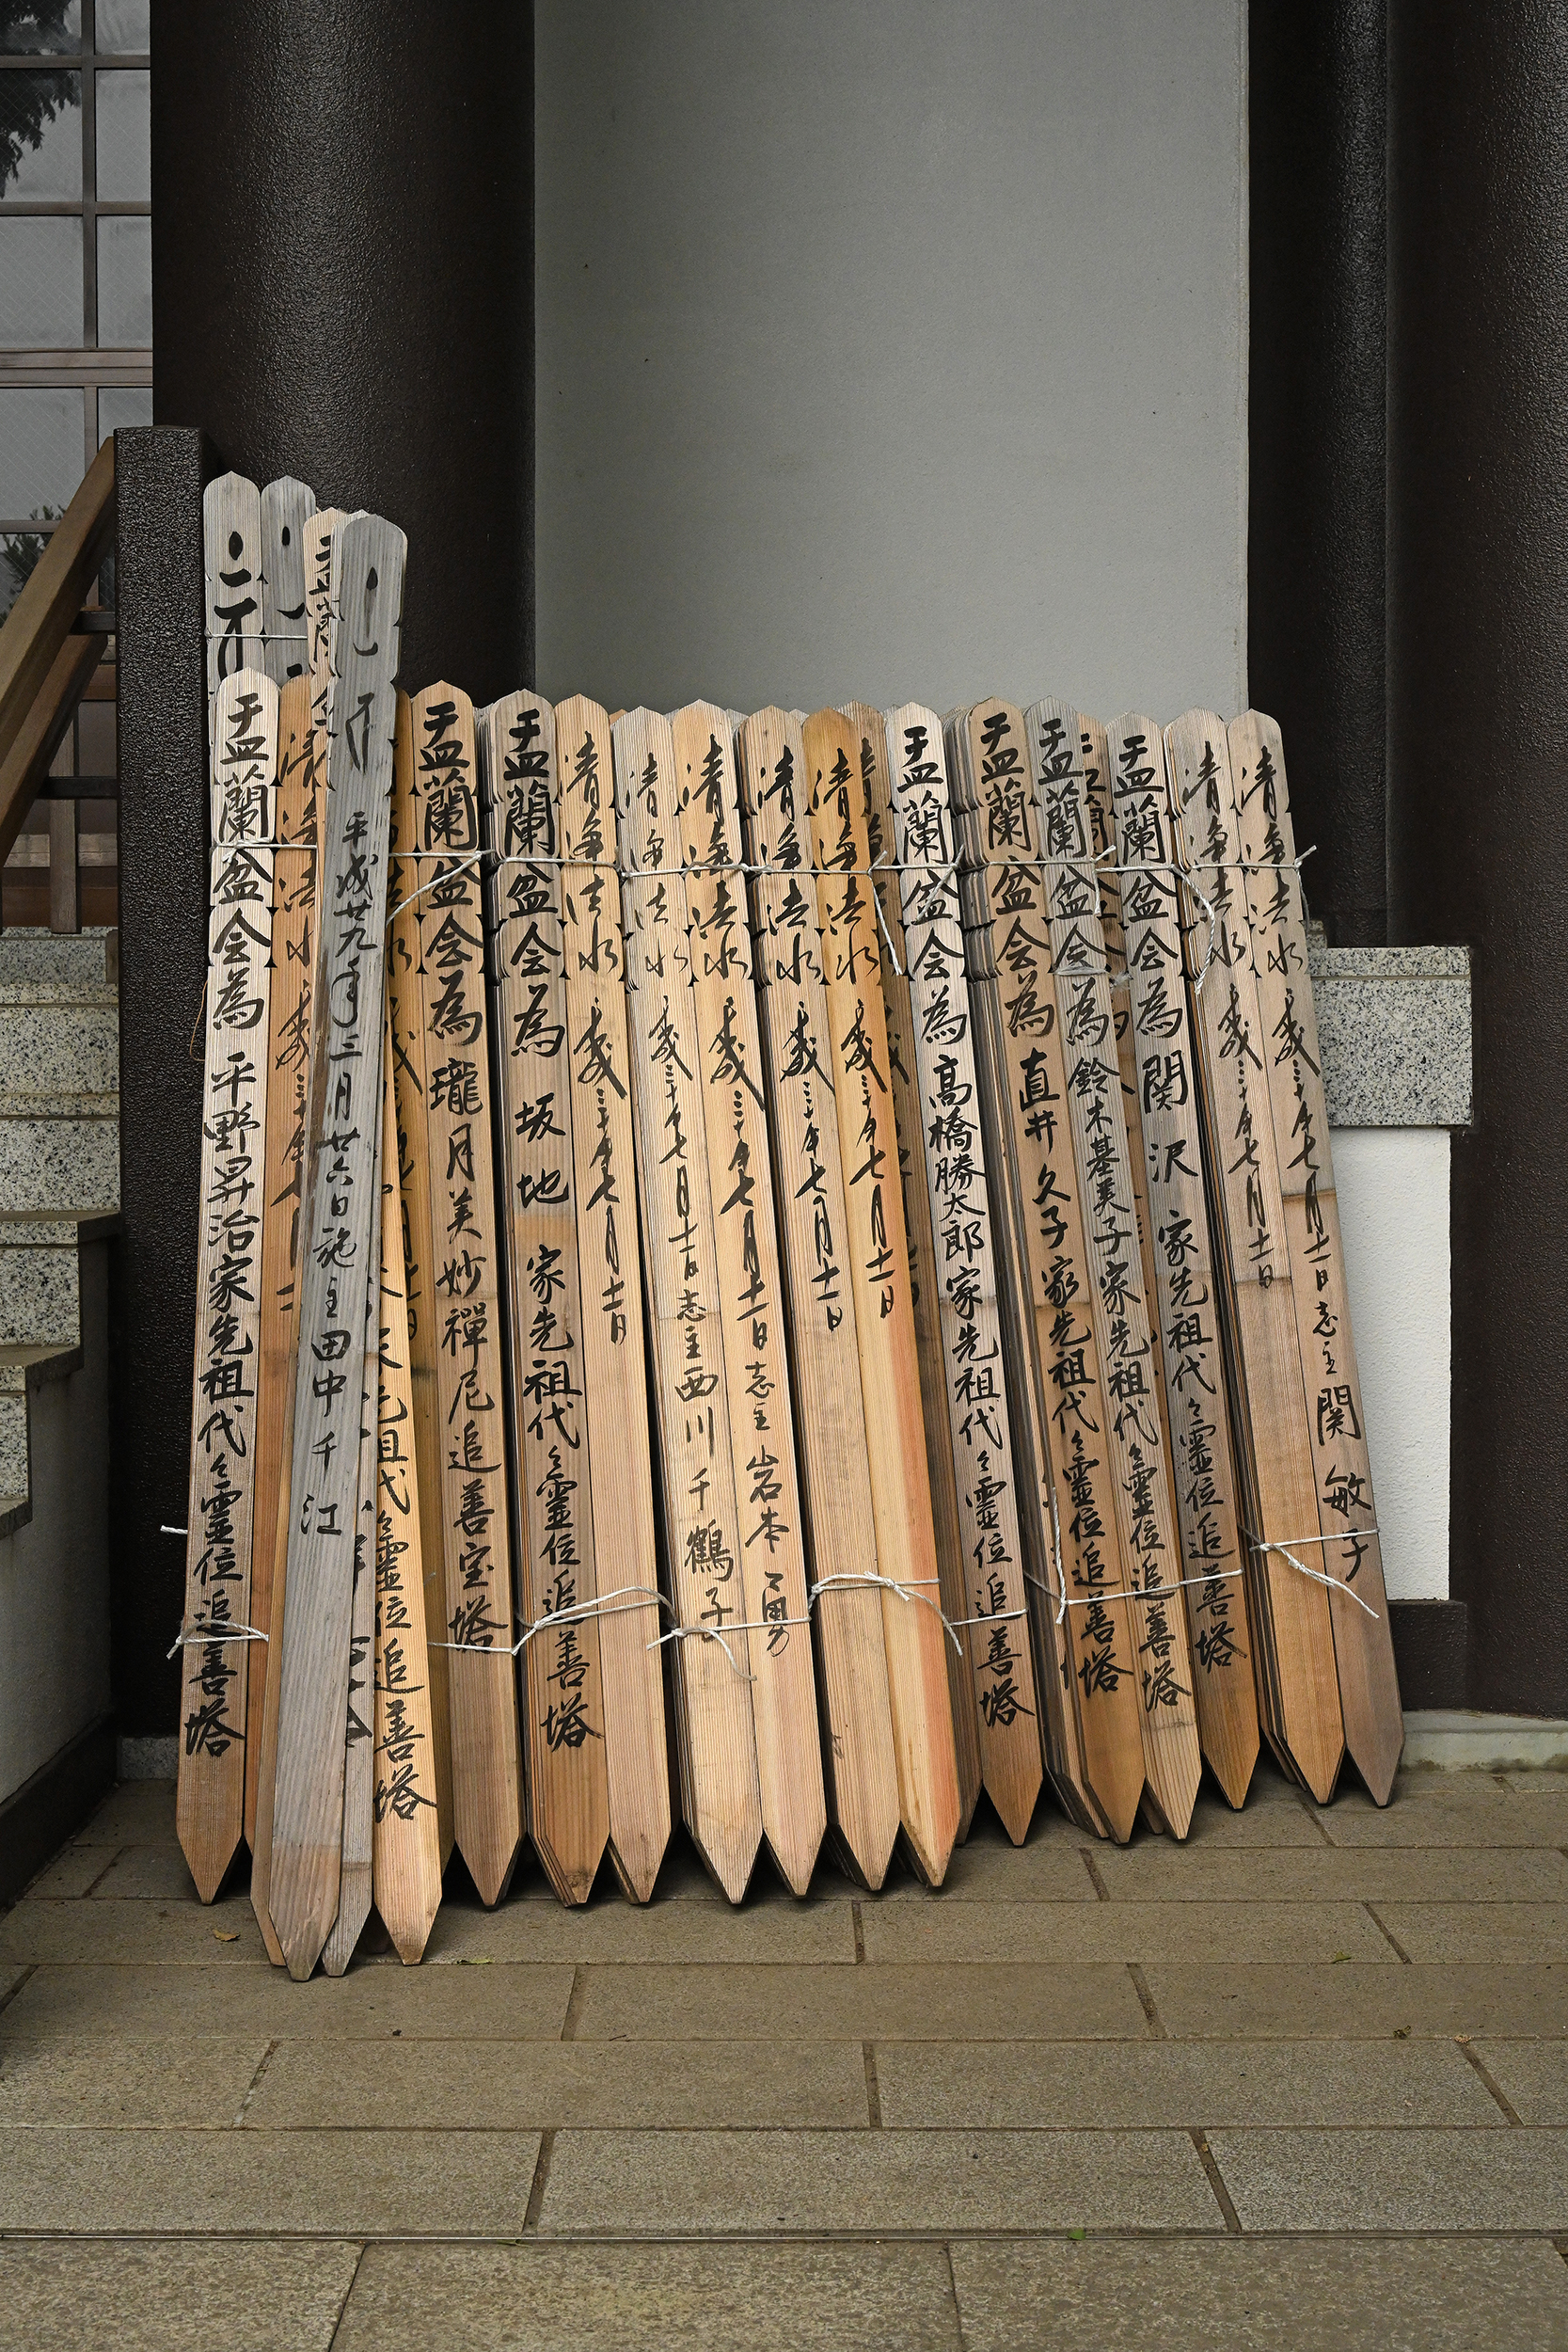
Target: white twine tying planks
x: 1065, y: 1600
x: 1319, y: 1576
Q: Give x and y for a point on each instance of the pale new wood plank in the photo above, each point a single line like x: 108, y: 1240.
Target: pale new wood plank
x: 756, y: 1371
x: 944, y: 1121
x: 912, y: 1627
x: 860, y: 1772
x: 341, y: 1229
x: 942, y: 1472
x: 1267, y: 1396
x: 1363, y: 1646
x: 1135, y: 1431
x: 231, y: 562
x: 564, y: 1727
x: 406, y: 1858
x: 287, y: 506
x: 465, y: 1293
x: 405, y: 1005
x: 288, y: 1080
x: 1089, y: 1651
x: 1164, y: 1083
x: 611, y: 1265
x: 221, y: 1515
x: 355, y: 1877
x: 721, y: 1798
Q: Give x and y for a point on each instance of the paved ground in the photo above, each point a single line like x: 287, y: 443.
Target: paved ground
x: 1305, y: 2081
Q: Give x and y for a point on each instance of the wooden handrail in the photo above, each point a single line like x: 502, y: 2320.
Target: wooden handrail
x: 40, y: 680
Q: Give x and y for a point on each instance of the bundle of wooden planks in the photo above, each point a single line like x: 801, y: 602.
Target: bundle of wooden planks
x: 783, y: 1268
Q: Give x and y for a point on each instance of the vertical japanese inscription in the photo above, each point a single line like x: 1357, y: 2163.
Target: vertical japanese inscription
x: 565, y: 1740
x: 463, y: 1295
x: 963, y: 1275
x: 286, y: 507
x: 232, y: 560
x: 718, y: 1765
x: 221, y: 1518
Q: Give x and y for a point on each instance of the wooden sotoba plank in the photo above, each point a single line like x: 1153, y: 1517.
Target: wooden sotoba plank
x: 405, y: 1003
x: 878, y: 1254
x: 610, y: 1258
x: 1363, y: 1646
x: 944, y: 1118
x: 406, y: 1864
x: 1267, y: 1396
x: 341, y: 1229
x: 952, y: 1538
x: 353, y: 1881
x: 1151, y: 1547
x: 221, y: 1516
x: 564, y: 1727
x: 757, y: 1368
x: 716, y: 1742
x: 288, y: 1080
x: 1165, y: 1089
x: 463, y: 1290
x: 1087, y: 1651
x: 231, y: 564
x: 859, y: 1767
x: 287, y: 506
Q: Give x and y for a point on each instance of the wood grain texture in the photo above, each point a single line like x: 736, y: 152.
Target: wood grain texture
x: 1166, y: 1090
x: 608, y: 1242
x: 287, y: 506
x: 563, y: 1724
x: 943, y: 1117
x: 342, y: 1239
x: 406, y: 1005
x: 1135, y: 1431
x: 288, y: 1068
x: 1302, y: 1716
x: 861, y: 1774
x: 1336, y: 1422
x: 913, y: 1629
x: 464, y: 1291
x: 720, y: 1797
x: 406, y: 1858
x: 231, y: 562
x: 1088, y: 1654
x: 756, y: 1366
x: 221, y: 1514
x: 924, y: 1291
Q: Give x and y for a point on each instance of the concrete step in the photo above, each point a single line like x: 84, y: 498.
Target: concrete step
x: 69, y: 958
x: 54, y: 1040
x: 59, y: 1155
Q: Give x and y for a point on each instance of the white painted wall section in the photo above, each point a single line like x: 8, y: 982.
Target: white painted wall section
x: 1393, y: 1190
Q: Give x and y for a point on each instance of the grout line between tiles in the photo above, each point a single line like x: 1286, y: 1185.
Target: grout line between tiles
x: 1102, y: 1891
x: 574, y: 2003
x: 539, y: 2183
x: 873, y: 2088
x: 342, y: 2307
x: 1212, y: 2175
x: 1388, y: 1935
x: 1146, y: 2001
x: 1462, y: 2043
x: 113, y: 1857
x: 953, y: 2290
x: 29, y: 1972
x: 255, y: 2082
x: 860, y: 1933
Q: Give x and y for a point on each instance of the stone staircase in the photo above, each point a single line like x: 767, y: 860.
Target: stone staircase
x: 59, y: 1167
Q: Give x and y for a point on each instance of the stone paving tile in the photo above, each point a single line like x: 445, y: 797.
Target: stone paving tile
x: 1539, y: 1784
x: 100, y: 1932
x: 149, y: 1873
x: 56, y: 2297
x: 627, y: 2298
x: 136, y: 1813
x: 1500, y: 1932
x: 995, y: 2085
x: 11, y: 1975
x: 1281, y: 1820
x: 328, y: 2183
x: 897, y: 2004
x: 509, y: 2086
x: 623, y: 1931
x: 72, y: 1871
x: 1448, y: 1810
x: 1421, y: 2295
x: 1532, y: 2075
x: 1122, y: 1930
x: 674, y: 2183
x: 1161, y: 1873
x: 456, y: 2004
x: 1403, y: 2180
x: 1043, y: 1869
x: 1355, y: 2003
x: 106, y: 2083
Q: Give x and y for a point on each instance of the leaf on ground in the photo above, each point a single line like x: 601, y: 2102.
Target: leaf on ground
x: 226, y: 1935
